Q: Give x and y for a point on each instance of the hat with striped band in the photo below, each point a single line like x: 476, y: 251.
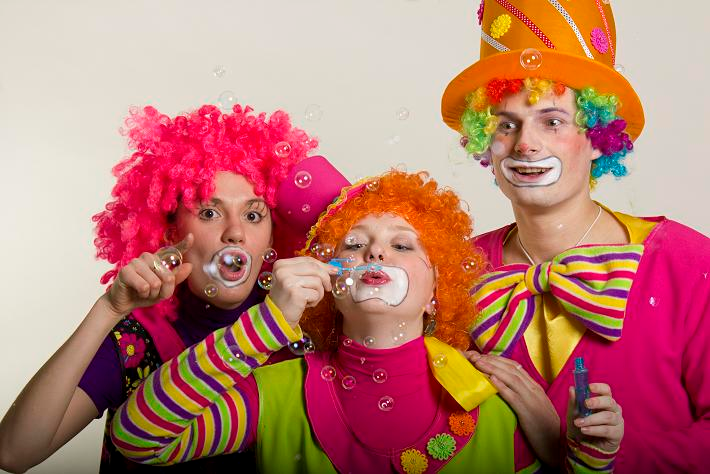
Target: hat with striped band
x: 573, y: 42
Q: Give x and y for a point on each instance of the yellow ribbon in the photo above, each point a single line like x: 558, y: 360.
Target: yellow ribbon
x: 469, y: 386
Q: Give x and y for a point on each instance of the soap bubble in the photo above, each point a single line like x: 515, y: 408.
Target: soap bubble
x: 402, y: 113
x: 440, y: 360
x: 340, y: 288
x: 266, y: 280
x: 282, y: 149
x: 368, y: 341
x: 233, y: 263
x: 468, y: 264
x: 393, y: 140
x: 226, y: 101
x: 269, y: 255
x: 372, y: 186
x: 170, y: 257
x: 654, y: 301
x: 531, y: 59
x: 210, y: 290
x: 619, y: 68
x: 327, y: 373
x: 219, y: 71
x: 379, y: 375
x: 303, y: 179
x: 302, y: 346
x: 233, y: 354
x: 347, y: 342
x: 348, y: 382
x: 325, y: 252
x: 386, y: 403
x: 313, y: 112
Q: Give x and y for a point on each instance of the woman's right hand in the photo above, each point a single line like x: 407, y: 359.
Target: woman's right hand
x: 144, y: 281
x: 299, y: 283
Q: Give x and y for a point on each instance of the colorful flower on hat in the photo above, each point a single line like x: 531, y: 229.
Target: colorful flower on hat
x: 413, y: 461
x: 599, y: 40
x: 441, y: 446
x: 500, y: 26
x: 132, y: 350
x: 461, y: 423
x: 481, y: 7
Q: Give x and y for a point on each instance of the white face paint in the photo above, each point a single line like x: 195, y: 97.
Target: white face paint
x: 230, y: 266
x: 389, y: 284
x: 544, y: 172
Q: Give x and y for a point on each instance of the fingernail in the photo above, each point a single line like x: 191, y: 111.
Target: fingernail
x: 584, y: 429
x: 579, y: 422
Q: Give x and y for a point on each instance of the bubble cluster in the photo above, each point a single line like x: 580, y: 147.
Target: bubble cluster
x: 169, y: 257
x: 379, y: 375
x: 348, y: 382
x: 385, y: 403
x: 210, y: 290
x: 303, y: 179
x: 226, y: 101
x: 531, y: 59
x: 266, y: 280
x: 269, y: 255
x: 282, y: 149
x: 328, y: 373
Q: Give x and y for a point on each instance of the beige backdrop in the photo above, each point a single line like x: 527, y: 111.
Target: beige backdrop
x: 69, y: 70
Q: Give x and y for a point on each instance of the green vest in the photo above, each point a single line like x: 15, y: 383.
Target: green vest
x: 286, y: 442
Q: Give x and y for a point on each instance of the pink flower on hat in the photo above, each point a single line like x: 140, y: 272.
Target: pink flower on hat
x: 481, y: 8
x: 599, y: 40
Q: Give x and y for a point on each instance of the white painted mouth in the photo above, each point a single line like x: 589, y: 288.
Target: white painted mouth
x: 544, y: 172
x: 392, y: 293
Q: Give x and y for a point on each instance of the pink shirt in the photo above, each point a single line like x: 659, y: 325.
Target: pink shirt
x: 659, y: 371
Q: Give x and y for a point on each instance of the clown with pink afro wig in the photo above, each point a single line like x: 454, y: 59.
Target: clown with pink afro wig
x: 204, y: 187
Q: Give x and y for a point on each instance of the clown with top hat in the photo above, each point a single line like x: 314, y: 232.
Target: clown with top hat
x: 547, y: 111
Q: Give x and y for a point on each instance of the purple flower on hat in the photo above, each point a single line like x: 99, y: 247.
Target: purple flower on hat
x: 599, y: 40
x: 481, y: 7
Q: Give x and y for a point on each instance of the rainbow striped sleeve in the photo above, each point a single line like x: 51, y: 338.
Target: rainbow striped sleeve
x: 583, y: 458
x: 196, y: 404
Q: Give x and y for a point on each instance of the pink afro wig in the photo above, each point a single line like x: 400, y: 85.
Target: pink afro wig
x: 175, y: 161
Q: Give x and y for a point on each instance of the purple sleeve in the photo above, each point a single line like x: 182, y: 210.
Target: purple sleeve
x: 102, y: 379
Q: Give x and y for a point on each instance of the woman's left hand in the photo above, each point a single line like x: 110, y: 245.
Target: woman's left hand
x: 537, y: 416
x: 604, y: 428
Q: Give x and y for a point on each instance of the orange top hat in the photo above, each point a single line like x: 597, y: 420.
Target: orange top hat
x: 569, y: 41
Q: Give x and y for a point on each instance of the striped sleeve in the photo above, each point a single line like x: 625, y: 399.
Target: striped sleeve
x: 583, y: 458
x: 201, y: 403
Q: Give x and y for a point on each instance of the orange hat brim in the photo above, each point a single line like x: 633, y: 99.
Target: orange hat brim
x: 574, y: 71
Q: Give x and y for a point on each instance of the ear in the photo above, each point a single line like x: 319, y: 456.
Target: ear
x: 596, y: 154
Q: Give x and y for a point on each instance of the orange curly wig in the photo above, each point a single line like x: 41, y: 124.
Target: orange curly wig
x: 444, y: 230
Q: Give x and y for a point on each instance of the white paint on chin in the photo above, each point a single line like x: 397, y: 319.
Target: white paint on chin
x: 548, y: 178
x: 391, y: 293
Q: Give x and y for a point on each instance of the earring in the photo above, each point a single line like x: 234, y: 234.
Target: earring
x: 431, y: 318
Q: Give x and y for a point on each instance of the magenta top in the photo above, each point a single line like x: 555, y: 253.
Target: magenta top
x: 659, y: 369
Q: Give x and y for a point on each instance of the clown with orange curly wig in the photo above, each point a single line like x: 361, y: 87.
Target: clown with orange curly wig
x: 382, y: 290
x: 206, y: 202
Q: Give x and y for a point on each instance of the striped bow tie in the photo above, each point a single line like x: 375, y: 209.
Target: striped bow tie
x: 591, y: 283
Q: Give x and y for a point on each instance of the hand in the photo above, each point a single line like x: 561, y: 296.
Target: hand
x: 299, y: 283
x: 144, y: 281
x: 604, y: 428
x: 537, y: 416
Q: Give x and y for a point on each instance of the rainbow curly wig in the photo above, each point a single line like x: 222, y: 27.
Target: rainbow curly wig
x: 596, y: 116
x: 444, y: 230
x: 175, y: 161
